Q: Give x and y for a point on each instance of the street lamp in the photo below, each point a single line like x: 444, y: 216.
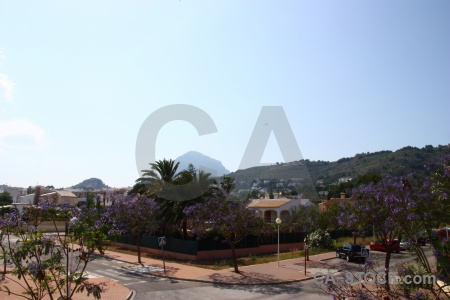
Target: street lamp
x: 278, y: 221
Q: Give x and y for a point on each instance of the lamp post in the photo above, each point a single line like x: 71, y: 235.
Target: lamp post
x: 278, y: 221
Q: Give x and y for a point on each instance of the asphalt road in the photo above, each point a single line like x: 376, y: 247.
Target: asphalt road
x: 151, y: 287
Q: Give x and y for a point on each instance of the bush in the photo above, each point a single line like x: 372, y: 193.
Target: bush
x: 320, y: 239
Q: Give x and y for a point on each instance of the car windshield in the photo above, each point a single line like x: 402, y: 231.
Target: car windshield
x: 356, y: 248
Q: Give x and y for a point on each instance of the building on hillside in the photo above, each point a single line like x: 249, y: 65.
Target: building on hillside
x: 271, y: 209
x: 345, y: 179
x: 326, y: 204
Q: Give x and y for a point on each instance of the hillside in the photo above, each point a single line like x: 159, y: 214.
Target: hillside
x: 297, y: 174
x: 90, y: 184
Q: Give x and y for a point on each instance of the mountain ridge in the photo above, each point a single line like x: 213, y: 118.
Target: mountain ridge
x: 387, y: 163
x: 90, y: 184
x: 202, y: 162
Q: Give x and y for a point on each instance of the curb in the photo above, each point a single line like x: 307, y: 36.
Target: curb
x: 131, y: 295
x: 215, y: 282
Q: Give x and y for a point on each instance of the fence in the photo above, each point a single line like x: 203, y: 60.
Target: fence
x: 215, y: 243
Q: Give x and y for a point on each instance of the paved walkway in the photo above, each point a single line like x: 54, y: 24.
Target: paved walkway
x: 112, y: 290
x: 269, y: 273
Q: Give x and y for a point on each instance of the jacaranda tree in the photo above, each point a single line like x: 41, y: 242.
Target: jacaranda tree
x: 406, y: 207
x: 49, y: 265
x: 440, y: 208
x: 135, y: 215
x: 383, y: 208
x: 229, y: 218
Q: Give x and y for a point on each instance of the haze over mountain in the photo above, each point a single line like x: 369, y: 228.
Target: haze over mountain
x: 201, y: 162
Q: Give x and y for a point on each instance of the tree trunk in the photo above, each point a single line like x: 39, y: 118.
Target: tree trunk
x: 37, y: 194
x: 184, y: 225
x: 4, y: 261
x: 233, y: 254
x: 138, y: 245
x: 386, y: 267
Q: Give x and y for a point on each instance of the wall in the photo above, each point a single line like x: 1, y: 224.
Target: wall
x: 48, y: 226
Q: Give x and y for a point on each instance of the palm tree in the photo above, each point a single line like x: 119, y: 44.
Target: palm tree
x: 173, y: 191
x: 152, y: 180
x: 192, y: 187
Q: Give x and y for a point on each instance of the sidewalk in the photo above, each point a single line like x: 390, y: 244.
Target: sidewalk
x: 291, y: 270
x: 112, y: 290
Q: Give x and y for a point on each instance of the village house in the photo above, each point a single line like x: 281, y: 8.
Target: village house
x: 326, y: 204
x: 271, y: 209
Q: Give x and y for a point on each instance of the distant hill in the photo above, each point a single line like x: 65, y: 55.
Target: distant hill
x: 201, y: 162
x: 295, y: 174
x: 90, y: 184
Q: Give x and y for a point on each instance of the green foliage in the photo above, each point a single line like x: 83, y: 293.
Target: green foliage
x: 320, y: 239
x: 305, y: 217
x: 50, y: 265
x: 369, y: 177
x: 5, y: 198
x: 30, y: 190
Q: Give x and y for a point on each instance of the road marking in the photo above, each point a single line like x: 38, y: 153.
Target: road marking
x: 135, y: 282
x: 114, y: 273
x: 95, y: 275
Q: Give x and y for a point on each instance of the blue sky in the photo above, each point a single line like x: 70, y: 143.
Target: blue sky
x: 78, y: 79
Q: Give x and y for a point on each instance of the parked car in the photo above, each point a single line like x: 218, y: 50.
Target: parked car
x: 350, y: 252
x: 422, y: 240
x: 405, y: 245
x: 395, y: 246
x: 444, y: 232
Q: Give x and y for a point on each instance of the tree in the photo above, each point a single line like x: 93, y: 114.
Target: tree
x: 231, y: 219
x: 193, y: 187
x: 161, y: 173
x: 5, y: 198
x: 381, y: 206
x: 41, y: 263
x: 305, y: 217
x: 329, y: 219
x: 405, y: 207
x: 136, y: 215
x: 174, y: 191
x: 369, y: 177
x: 437, y: 213
x: 30, y: 190
x: 227, y: 184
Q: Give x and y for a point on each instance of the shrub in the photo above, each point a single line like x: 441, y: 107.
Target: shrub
x: 320, y: 239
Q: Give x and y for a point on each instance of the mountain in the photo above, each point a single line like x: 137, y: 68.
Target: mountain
x: 296, y: 174
x: 90, y: 184
x: 201, y: 162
